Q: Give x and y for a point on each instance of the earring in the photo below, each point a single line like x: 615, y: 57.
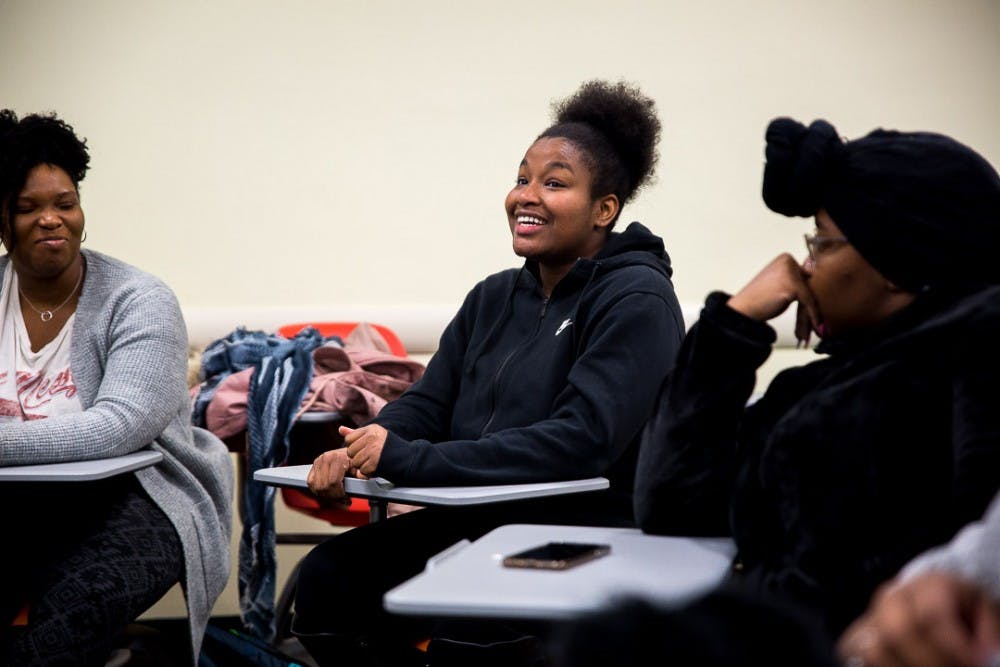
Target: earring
x: 83, y: 239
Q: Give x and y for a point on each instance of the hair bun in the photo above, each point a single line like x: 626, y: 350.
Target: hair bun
x: 799, y: 159
x: 626, y: 128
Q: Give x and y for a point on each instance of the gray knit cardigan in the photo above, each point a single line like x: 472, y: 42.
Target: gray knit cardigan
x: 129, y: 360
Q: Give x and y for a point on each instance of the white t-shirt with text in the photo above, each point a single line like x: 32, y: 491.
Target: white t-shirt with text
x: 33, y: 385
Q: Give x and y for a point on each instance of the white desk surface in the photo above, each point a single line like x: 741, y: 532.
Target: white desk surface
x: 81, y: 471
x: 295, y: 476
x: 469, y: 579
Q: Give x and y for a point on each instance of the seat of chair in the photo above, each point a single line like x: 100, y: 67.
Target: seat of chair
x: 353, y: 515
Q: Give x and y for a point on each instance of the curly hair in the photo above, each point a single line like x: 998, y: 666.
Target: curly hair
x: 616, y: 127
x: 26, y: 143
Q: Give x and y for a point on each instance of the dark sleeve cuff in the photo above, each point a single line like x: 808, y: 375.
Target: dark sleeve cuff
x: 395, y: 459
x: 718, y: 312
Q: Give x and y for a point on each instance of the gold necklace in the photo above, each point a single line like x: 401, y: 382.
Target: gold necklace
x: 46, y: 315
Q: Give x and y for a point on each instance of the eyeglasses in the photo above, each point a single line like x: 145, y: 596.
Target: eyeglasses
x: 818, y: 244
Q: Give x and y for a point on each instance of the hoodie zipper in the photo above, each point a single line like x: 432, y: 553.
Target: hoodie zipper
x: 496, y: 376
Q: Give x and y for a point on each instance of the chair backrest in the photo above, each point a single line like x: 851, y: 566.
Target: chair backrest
x: 343, y: 329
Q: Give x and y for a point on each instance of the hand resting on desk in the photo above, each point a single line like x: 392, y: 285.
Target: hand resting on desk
x: 326, y: 477
x: 358, y: 459
x: 364, y: 446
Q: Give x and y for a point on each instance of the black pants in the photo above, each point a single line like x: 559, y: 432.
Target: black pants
x: 338, y: 607
x: 88, y: 558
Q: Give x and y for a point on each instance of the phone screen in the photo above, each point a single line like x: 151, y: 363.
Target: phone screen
x: 557, y: 555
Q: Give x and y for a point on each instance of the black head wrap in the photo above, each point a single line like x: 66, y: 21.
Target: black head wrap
x: 922, y: 208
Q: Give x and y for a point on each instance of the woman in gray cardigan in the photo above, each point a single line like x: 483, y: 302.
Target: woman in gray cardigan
x: 93, y: 364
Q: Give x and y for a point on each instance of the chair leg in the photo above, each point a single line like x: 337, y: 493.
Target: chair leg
x: 283, y: 607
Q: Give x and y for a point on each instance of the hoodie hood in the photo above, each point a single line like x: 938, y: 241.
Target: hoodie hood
x: 634, y: 246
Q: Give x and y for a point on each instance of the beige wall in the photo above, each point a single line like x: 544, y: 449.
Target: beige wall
x: 264, y: 153
x: 327, y: 151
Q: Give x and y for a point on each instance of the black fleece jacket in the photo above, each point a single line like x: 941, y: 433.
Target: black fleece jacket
x: 847, y: 467
x: 527, y: 389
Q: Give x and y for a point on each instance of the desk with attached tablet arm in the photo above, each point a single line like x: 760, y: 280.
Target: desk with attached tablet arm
x: 81, y: 471
x: 470, y: 580
x: 378, y: 491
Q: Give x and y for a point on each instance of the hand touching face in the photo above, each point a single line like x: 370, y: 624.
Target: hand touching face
x: 836, y: 289
x: 778, y: 285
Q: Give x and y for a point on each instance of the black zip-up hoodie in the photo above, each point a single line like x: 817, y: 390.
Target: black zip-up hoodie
x: 527, y: 389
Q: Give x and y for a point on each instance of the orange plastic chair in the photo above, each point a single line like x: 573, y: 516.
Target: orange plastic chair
x: 312, y: 434
x: 343, y: 330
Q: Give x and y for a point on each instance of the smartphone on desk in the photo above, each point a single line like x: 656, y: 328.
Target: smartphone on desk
x: 557, y: 555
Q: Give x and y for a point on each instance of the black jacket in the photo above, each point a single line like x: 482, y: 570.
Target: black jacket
x: 524, y: 389
x: 847, y: 467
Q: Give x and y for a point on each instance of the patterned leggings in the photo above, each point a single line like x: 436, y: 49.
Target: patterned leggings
x: 88, y: 559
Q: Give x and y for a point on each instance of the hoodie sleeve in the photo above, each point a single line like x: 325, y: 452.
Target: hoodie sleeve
x: 686, y: 465
x: 627, y: 347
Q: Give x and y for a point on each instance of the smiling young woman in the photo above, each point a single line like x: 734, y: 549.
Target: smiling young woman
x: 547, y: 372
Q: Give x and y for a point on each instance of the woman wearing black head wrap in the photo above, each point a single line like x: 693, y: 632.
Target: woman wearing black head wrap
x: 849, y: 466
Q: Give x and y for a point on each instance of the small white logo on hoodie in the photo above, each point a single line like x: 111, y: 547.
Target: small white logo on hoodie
x: 568, y: 321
